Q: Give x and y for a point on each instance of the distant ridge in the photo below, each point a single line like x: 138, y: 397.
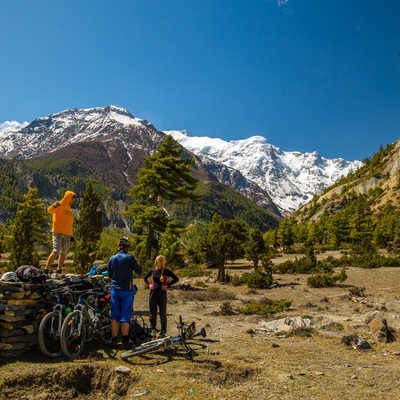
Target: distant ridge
x: 290, y: 178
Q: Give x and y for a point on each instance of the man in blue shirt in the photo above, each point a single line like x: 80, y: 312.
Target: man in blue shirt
x: 120, y: 270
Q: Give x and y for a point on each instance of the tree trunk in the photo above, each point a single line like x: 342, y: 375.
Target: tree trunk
x: 255, y: 264
x: 221, y: 273
x: 149, y: 244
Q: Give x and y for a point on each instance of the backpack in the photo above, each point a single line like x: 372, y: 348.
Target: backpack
x: 30, y: 274
x: 139, y: 332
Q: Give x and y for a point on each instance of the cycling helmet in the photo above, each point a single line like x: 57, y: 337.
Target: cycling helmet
x: 124, y: 242
x: 9, y: 277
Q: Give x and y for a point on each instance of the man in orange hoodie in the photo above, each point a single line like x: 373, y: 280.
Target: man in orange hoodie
x: 62, y: 233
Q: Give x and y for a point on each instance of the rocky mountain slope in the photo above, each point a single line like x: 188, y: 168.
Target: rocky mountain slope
x: 291, y: 178
x: 112, y: 143
x: 378, y: 180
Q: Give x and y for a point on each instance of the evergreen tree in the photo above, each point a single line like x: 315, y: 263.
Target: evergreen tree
x: 28, y: 228
x: 224, y: 242
x: 170, y: 243
x: 165, y: 178
x: 338, y: 226
x: 285, y: 234
x: 255, y: 247
x: 87, y: 230
x: 361, y: 229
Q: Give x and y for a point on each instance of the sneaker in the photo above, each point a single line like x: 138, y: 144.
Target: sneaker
x: 162, y: 334
x: 46, y: 271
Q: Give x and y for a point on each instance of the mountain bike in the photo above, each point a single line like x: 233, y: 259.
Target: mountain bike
x: 88, y: 321
x: 185, y: 333
x: 50, y: 326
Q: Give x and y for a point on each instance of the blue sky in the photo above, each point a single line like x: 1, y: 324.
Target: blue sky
x: 309, y: 75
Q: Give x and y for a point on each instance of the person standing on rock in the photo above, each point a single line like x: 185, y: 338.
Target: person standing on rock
x: 158, y: 286
x: 62, y: 233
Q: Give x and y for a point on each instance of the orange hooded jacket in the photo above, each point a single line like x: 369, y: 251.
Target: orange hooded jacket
x: 62, y: 215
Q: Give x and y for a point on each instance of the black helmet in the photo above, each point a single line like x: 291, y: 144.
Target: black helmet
x: 124, y: 242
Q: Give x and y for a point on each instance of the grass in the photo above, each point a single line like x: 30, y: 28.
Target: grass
x: 231, y: 363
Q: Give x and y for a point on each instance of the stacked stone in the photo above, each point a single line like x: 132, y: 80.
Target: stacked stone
x: 21, y: 309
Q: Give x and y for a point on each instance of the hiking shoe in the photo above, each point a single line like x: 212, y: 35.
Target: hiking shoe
x: 114, y: 344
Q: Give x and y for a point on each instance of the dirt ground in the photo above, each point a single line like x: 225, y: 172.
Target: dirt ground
x: 239, y: 358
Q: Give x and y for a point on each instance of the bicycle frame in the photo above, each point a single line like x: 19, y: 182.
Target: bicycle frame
x: 185, y: 332
x: 84, y: 324
x: 51, y: 324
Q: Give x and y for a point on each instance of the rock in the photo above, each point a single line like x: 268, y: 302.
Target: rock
x: 380, y: 330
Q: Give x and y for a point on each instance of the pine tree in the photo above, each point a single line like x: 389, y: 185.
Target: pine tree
x: 87, y: 230
x: 165, y: 178
x: 28, y: 228
x: 255, y: 247
x: 170, y: 243
x: 224, y: 242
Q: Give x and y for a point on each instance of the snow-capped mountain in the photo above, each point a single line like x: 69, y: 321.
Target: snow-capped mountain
x: 290, y: 178
x: 53, y: 132
x: 111, y: 139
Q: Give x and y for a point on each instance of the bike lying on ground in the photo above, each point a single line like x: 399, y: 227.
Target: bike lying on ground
x: 185, y: 333
x: 88, y: 321
x: 51, y: 324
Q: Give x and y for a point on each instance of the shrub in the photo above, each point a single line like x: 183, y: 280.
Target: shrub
x: 265, y: 307
x: 226, y: 308
x: 324, y: 279
x: 304, y: 265
x: 253, y: 280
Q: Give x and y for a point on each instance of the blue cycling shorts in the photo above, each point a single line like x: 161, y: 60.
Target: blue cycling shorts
x: 121, y: 305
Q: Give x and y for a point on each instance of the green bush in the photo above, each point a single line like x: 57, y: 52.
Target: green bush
x: 326, y: 279
x: 253, y: 280
x: 304, y: 265
x: 265, y: 307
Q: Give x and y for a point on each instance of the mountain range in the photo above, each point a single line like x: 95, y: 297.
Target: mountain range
x: 111, y: 143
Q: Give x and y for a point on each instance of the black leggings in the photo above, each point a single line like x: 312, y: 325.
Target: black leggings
x: 158, y: 298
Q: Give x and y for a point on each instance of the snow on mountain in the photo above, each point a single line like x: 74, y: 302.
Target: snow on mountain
x: 50, y: 133
x: 290, y: 178
x: 7, y: 134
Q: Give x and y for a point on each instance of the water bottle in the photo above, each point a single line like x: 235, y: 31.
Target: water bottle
x: 91, y: 313
x: 68, y: 310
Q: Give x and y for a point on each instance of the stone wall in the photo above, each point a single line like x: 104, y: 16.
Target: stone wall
x: 21, y: 310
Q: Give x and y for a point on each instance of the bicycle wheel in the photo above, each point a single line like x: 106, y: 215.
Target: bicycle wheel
x: 49, y: 334
x: 144, y: 348
x: 105, y: 324
x: 73, y: 334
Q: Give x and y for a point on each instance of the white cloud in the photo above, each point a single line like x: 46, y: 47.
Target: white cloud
x: 13, y: 125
